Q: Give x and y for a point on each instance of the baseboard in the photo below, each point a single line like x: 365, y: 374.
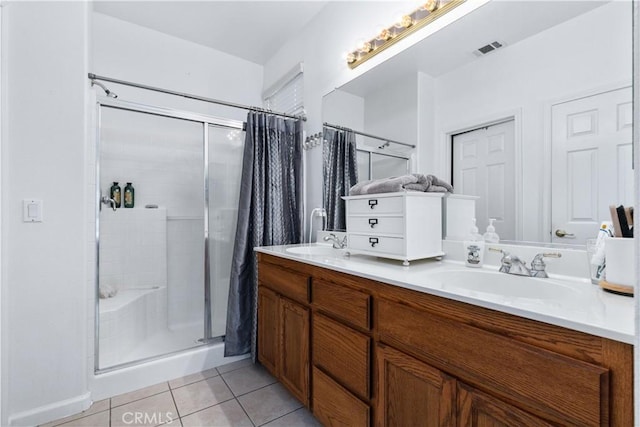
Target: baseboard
x: 52, y: 411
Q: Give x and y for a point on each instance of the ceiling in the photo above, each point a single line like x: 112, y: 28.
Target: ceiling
x: 505, y: 21
x: 252, y: 30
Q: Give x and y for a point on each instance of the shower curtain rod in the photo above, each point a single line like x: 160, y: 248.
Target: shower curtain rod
x: 93, y: 77
x: 368, y: 135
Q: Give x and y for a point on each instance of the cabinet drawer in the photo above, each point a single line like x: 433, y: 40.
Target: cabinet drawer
x: 285, y: 282
x: 348, y: 304
x: 374, y: 243
x: 343, y: 353
x: 376, y: 224
x: 553, y: 386
x: 394, y: 204
x: 335, y: 406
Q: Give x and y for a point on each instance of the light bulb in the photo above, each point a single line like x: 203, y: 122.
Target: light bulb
x: 365, y: 47
x: 351, y: 57
x: 384, y: 34
x: 430, y: 5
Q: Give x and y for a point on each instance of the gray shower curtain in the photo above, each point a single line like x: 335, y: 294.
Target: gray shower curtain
x: 340, y: 172
x: 269, y: 213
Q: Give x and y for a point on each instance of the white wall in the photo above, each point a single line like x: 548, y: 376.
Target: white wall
x: 392, y: 111
x: 130, y: 52
x: 528, y: 76
x: 44, y: 325
x: 343, y: 109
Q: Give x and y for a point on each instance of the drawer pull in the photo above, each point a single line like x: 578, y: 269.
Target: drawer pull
x: 372, y: 203
x: 373, y: 241
x: 373, y: 222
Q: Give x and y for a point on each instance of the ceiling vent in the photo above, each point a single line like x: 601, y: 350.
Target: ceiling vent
x: 488, y: 48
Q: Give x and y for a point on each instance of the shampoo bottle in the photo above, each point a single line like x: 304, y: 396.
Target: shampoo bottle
x: 474, y: 247
x: 116, y: 194
x: 491, y: 236
x: 129, y: 196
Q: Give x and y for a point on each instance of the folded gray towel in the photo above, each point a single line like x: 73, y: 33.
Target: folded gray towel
x: 437, y: 182
x: 385, y: 185
x: 413, y: 182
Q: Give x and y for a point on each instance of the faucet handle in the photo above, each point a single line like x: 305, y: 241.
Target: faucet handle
x: 504, y: 253
x: 538, y: 258
x: 538, y: 263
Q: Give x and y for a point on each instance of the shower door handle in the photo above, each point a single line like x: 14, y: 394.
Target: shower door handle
x: 108, y: 201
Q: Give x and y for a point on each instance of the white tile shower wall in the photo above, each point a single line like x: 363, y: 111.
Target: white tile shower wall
x: 185, y: 271
x: 162, y: 157
x: 133, y: 248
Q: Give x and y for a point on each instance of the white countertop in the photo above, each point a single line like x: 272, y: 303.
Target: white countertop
x: 579, y: 305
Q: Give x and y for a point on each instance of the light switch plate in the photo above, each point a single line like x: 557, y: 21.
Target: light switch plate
x: 32, y: 210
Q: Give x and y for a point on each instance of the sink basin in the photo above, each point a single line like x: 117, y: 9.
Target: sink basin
x: 478, y: 282
x: 313, y: 250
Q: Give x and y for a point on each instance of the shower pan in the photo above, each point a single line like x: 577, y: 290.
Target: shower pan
x: 163, y: 266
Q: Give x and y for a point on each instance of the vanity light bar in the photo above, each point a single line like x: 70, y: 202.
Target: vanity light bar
x: 406, y: 25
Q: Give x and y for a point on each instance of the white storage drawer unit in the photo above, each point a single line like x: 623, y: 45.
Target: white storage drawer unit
x: 404, y: 226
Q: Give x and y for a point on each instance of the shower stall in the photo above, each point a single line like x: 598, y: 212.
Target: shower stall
x: 163, y: 265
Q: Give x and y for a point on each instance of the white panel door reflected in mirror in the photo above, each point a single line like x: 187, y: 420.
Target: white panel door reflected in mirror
x: 483, y: 166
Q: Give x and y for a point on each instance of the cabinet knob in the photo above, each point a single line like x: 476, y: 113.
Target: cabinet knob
x: 373, y: 222
x: 372, y: 203
x: 373, y: 241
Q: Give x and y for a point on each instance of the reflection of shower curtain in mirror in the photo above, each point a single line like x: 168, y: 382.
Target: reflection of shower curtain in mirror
x: 269, y: 213
x: 340, y: 172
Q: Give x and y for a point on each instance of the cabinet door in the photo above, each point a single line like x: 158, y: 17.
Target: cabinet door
x: 334, y: 406
x: 412, y: 393
x: 268, y: 329
x: 476, y: 409
x: 294, y: 360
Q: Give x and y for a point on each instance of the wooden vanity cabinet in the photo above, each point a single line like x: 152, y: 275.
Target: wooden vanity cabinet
x: 361, y: 353
x: 283, y: 328
x: 411, y: 392
x: 477, y: 409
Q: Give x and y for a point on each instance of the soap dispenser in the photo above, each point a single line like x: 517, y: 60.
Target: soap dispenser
x: 491, y: 236
x: 474, y: 247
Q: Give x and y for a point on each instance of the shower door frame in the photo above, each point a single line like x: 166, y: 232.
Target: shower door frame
x: 206, y: 121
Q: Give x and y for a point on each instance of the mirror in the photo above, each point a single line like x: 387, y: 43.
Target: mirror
x: 526, y: 104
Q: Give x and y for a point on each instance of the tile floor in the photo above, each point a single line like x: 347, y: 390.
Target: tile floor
x: 238, y: 394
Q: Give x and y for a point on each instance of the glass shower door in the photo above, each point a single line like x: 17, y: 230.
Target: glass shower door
x: 225, y: 168
x: 150, y: 256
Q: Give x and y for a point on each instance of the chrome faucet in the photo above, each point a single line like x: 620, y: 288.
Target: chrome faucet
x: 511, y: 264
x: 108, y: 201
x: 538, y: 265
x: 337, y: 242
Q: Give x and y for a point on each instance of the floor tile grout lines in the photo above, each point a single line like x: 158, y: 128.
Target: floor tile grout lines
x: 237, y: 401
x: 175, y: 404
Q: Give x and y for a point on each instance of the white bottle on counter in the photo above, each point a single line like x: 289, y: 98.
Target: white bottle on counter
x: 491, y: 236
x: 474, y: 247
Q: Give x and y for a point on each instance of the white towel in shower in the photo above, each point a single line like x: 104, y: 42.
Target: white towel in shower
x: 108, y: 291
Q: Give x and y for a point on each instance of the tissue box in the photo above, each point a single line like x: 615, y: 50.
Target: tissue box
x: 620, y: 255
